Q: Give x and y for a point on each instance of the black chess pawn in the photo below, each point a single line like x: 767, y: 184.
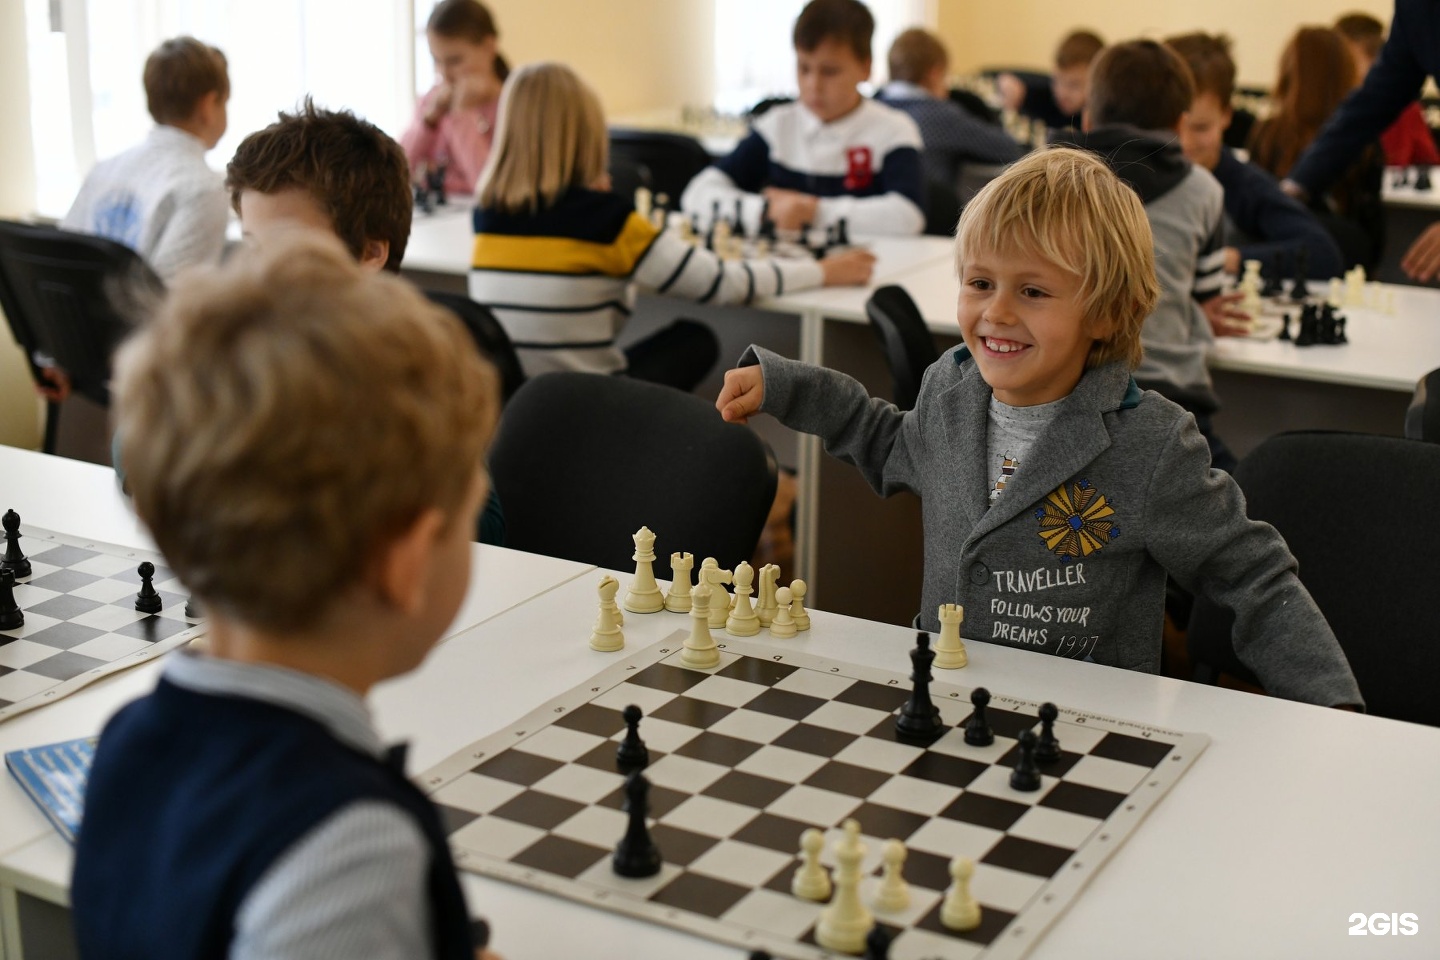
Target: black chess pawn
x: 1275, y: 278
x: 437, y: 185
x: 636, y: 855
x: 1422, y: 178
x: 1299, y: 289
x: 977, y: 728
x: 1026, y: 775
x: 842, y: 233
x: 11, y: 616
x: 1325, y: 332
x: 1309, y: 320
x: 877, y: 944
x: 1285, y: 327
x: 632, y: 754
x: 14, y: 560
x: 739, y: 230
x: 1340, y: 331
x: 422, y: 199
x: 147, y: 600
x: 767, y: 226
x: 1047, y: 748
x: 919, y: 720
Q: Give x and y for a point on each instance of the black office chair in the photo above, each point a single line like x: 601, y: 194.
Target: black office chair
x: 663, y: 162
x: 1358, y: 513
x: 582, y: 461
x: 1422, y: 417
x: 489, y: 336
x: 765, y: 106
x: 909, y: 346
x: 70, y: 297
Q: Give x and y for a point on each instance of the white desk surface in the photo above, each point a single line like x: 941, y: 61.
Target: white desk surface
x: 81, y: 499
x: 1294, y: 818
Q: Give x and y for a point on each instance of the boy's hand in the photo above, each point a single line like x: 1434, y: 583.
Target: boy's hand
x: 1421, y: 262
x: 790, y: 209
x: 848, y: 268
x: 1226, y: 319
x: 742, y: 394
x: 1011, y: 90
x: 56, y: 387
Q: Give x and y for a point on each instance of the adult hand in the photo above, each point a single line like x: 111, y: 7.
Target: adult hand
x: 848, y: 268
x: 1422, y: 261
x: 1226, y: 319
x: 742, y: 394
x: 790, y: 209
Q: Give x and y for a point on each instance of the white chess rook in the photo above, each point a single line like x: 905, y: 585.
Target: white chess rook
x: 644, y: 595
x: 742, y: 621
x: 606, y: 636
x: 700, y: 651
x: 845, y: 923
x: 678, y: 599
x: 949, y: 648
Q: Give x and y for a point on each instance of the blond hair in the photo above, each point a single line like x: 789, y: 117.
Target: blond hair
x: 285, y: 416
x: 1065, y: 206
x: 550, y: 137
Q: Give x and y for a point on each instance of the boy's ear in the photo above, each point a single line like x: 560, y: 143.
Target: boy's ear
x: 402, y: 569
x: 374, y: 254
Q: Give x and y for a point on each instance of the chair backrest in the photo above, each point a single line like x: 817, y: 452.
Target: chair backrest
x: 665, y: 162
x: 1422, y: 417
x: 1358, y: 514
x: 909, y: 346
x: 582, y: 461
x: 61, y: 293
x: 489, y: 336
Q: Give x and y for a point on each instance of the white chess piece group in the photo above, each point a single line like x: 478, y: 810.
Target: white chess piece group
x: 782, y: 609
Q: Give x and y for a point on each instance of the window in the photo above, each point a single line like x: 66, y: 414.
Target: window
x: 87, y: 58
x: 753, y: 56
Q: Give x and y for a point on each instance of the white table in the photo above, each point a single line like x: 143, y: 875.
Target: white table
x: 1294, y: 818
x: 82, y: 499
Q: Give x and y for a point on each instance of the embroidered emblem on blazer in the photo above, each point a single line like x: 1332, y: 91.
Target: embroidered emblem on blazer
x: 1075, y: 520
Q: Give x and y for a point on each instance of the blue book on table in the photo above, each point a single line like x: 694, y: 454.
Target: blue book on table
x: 54, y: 775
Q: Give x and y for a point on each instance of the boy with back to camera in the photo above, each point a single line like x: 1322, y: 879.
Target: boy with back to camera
x: 1139, y: 93
x: 1057, y: 495
x: 160, y: 198
x: 1059, y: 101
x: 246, y: 808
x: 833, y: 155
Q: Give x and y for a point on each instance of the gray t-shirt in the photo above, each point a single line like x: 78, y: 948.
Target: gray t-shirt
x: 1011, y: 434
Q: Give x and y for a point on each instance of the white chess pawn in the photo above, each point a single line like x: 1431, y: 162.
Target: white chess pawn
x: 713, y: 575
x: 949, y: 648
x: 960, y: 911
x: 894, y: 893
x: 845, y: 923
x: 797, y: 605
x: 606, y: 636
x: 643, y: 204
x: 1250, y: 286
x: 644, y: 595
x: 700, y: 651
x: 811, y: 880
x: 765, y: 603
x: 783, y: 626
x: 742, y: 621
x: 1333, y: 294
x: 678, y: 599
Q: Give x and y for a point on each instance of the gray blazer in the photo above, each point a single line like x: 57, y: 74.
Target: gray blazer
x: 1071, y: 560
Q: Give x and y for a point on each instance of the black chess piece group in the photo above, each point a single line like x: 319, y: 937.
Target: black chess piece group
x: 1318, y: 325
x: 636, y: 855
x: 14, y: 566
x: 430, y: 193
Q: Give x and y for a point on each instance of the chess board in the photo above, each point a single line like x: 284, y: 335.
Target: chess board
x: 80, y: 619
x: 746, y: 756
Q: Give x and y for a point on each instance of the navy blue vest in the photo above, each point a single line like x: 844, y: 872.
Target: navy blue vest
x: 193, y: 796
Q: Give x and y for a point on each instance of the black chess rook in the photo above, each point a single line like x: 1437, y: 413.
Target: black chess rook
x: 147, y: 600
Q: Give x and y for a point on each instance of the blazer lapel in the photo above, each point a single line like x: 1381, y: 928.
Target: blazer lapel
x: 966, y: 417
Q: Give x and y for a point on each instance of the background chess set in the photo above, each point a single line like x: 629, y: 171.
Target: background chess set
x: 80, y: 619
x: 745, y: 756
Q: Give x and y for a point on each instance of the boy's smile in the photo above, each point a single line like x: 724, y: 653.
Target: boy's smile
x: 1022, y: 318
